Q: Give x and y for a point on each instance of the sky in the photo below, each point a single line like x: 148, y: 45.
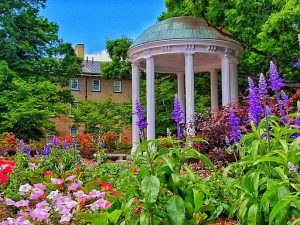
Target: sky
x: 92, y: 22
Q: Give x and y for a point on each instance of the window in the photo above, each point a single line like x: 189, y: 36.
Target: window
x: 75, y: 84
x: 73, y: 105
x: 73, y: 131
x: 117, y: 86
x: 96, y: 85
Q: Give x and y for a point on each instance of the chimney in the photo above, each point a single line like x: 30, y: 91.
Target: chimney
x: 79, y: 50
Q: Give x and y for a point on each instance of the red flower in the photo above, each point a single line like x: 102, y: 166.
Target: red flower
x: 96, y: 182
x: 135, y: 169
x: 7, y: 169
x: 60, y: 186
x: 3, y: 178
x: 83, y: 202
x: 136, y: 201
x: 107, y: 186
x: 78, y: 170
x: 43, y: 196
x: 116, y: 194
x: 48, y: 174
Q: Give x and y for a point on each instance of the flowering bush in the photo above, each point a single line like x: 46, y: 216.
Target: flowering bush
x: 7, y: 140
x: 55, y: 201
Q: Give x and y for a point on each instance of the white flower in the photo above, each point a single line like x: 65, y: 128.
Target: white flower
x: 24, y: 189
x: 32, y: 166
x: 56, y: 181
x: 65, y: 218
x: 53, y: 194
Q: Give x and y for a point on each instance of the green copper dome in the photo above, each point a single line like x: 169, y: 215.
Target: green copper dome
x: 186, y: 27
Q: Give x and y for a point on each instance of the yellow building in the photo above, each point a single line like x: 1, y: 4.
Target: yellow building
x: 90, y: 86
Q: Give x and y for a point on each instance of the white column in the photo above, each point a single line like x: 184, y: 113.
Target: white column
x: 234, y: 86
x: 214, y: 90
x: 180, y: 89
x: 135, y: 97
x: 189, y: 91
x: 225, y: 80
x: 150, y: 98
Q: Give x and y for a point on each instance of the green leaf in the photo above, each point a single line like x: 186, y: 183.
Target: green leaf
x: 265, y: 202
x: 144, y: 219
x: 195, y: 154
x: 252, y: 215
x: 150, y: 187
x: 198, y: 199
x: 114, y: 216
x: 176, y: 210
x: 96, y: 219
x: 280, y: 205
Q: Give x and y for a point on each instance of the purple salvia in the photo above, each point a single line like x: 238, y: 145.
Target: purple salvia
x: 254, y: 109
x: 22, y: 146
x: 268, y: 111
x: 178, y: 115
x: 297, y: 121
x: 262, y: 87
x: 235, y: 127
x: 74, y: 143
x: 28, y: 151
x: 140, y: 113
x: 285, y: 101
x: 297, y: 64
x: 55, y: 142
x: 47, y: 150
x: 276, y: 82
x: 65, y: 145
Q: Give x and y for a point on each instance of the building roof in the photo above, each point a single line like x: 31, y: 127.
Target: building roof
x: 186, y: 27
x: 91, y: 67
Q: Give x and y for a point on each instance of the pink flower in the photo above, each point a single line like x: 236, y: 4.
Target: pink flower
x: 40, y: 186
x: 96, y: 194
x: 80, y: 196
x: 56, y: 181
x: 41, y: 212
x: 21, y: 203
x: 36, y: 193
x: 65, y: 218
x: 9, y: 202
x: 74, y: 185
x: 70, y: 178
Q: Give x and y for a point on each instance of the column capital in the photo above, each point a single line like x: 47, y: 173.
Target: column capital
x: 189, y: 53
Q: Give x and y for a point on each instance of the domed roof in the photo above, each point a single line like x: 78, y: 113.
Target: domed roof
x: 186, y: 27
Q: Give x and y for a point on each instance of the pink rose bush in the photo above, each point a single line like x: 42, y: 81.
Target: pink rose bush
x: 56, y: 201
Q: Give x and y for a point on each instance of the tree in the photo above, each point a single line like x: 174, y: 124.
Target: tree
x: 120, y: 66
x: 25, y: 106
x: 266, y: 29
x: 30, y: 45
x: 103, y: 117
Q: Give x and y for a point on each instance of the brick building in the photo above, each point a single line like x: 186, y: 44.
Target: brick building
x: 90, y: 86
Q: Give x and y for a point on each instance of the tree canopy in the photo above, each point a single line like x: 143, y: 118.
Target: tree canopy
x: 33, y: 60
x: 267, y: 29
x: 120, y: 66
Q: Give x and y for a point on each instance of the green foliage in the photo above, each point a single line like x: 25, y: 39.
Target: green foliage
x: 120, y: 66
x: 60, y: 160
x: 25, y: 106
x: 103, y: 117
x: 30, y: 45
x: 267, y: 186
x: 266, y: 29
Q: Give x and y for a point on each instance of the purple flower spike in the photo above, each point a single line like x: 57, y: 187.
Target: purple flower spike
x: 28, y: 151
x: 297, y: 121
x: 22, y: 146
x: 178, y: 115
x: 262, y: 87
x: 74, y: 143
x: 47, y: 150
x: 235, y: 127
x: 65, y: 145
x: 285, y: 101
x: 276, y: 82
x: 140, y: 113
x: 55, y: 142
x: 254, y: 109
x: 297, y: 64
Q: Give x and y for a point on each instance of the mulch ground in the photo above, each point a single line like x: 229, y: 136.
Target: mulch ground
x: 224, y: 222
